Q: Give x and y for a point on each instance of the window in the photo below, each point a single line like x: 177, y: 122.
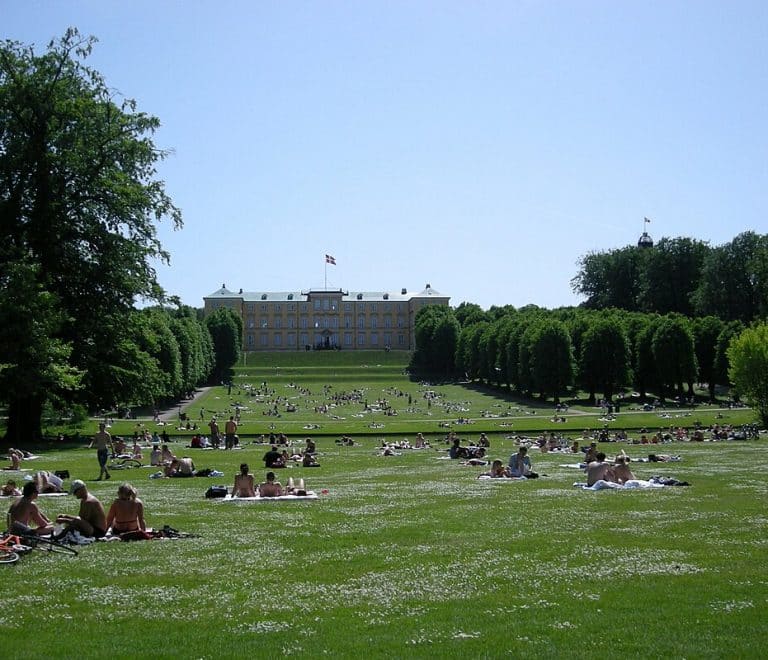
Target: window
x: 249, y: 307
x: 347, y: 321
x: 263, y: 322
x: 401, y: 307
x: 278, y: 322
x: 361, y: 339
x: 316, y: 304
x: 400, y: 321
x: 401, y: 340
x: 304, y: 322
x: 264, y: 339
x: 304, y: 338
x: 374, y: 339
x: 251, y: 322
x: 291, y: 306
x: 360, y: 322
x: 291, y: 322
x: 277, y: 309
x: 372, y: 307
x: 348, y: 307
x: 263, y: 308
x: 291, y: 339
x: 326, y: 304
x: 278, y: 339
x: 387, y: 339
x: 251, y: 340
x: 387, y: 321
x: 303, y: 307
x: 347, y: 339
x: 374, y: 322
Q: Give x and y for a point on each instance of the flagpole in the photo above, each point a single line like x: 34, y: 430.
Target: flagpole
x: 325, y: 275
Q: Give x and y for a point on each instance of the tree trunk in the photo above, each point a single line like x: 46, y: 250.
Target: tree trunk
x: 24, y: 421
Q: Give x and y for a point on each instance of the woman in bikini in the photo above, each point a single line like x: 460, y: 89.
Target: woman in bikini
x: 244, y: 483
x: 127, y: 512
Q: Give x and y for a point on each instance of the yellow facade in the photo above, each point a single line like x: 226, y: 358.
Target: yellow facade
x: 322, y: 318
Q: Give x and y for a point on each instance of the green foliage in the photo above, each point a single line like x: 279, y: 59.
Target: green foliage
x: 79, y: 201
x: 748, y: 356
x: 673, y: 352
x: 225, y: 328
x: 604, y: 360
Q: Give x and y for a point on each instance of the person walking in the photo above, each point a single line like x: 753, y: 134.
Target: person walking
x: 103, y: 441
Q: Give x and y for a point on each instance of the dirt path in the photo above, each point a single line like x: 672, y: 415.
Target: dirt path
x: 171, y: 413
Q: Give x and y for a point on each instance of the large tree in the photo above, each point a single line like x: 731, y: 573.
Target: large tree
x: 604, y: 360
x: 748, y: 356
x: 79, y: 200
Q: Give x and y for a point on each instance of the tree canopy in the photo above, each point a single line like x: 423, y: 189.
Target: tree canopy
x: 79, y: 202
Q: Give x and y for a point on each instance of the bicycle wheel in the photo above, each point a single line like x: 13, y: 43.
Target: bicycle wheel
x: 8, y: 557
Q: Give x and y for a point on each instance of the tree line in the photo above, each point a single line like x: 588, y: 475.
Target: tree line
x: 682, y: 275
x: 79, y: 203
x: 542, y: 353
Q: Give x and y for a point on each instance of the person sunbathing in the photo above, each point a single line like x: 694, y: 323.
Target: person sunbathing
x: 127, y: 512
x: 48, y: 482
x: 497, y: 471
x: 597, y: 469
x: 308, y: 460
x: 244, y: 483
x: 25, y: 510
x: 10, y: 489
x: 15, y: 456
x: 620, y: 472
x: 270, y: 488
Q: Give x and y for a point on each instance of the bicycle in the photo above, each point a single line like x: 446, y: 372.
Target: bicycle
x: 11, y: 549
x: 44, y: 543
x: 124, y: 464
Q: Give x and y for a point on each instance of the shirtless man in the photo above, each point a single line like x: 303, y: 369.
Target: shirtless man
x: 520, y: 463
x: 597, y: 469
x: 15, y: 456
x: 103, y: 447
x: 244, y: 483
x: 91, y: 521
x: 215, y: 437
x: 24, y: 510
x: 230, y: 429
x: 270, y: 488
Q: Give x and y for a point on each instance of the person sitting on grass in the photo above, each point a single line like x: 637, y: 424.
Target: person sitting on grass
x: 308, y: 461
x: 91, y: 520
x: 14, y: 456
x: 244, y: 483
x: 273, y: 458
x: 10, y: 489
x: 520, y: 464
x: 597, y: 469
x: 180, y: 467
x: 25, y: 510
x: 270, y: 488
x: 156, y: 456
x: 126, y: 515
x: 166, y: 455
x: 620, y: 472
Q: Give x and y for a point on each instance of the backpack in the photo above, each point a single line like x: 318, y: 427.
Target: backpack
x: 215, y: 492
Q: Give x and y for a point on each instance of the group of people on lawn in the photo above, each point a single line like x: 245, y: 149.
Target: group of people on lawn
x: 124, y: 518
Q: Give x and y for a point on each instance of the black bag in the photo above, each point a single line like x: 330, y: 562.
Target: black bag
x: 216, y: 491
x: 62, y: 474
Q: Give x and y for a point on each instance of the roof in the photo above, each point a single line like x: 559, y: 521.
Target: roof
x: 303, y: 296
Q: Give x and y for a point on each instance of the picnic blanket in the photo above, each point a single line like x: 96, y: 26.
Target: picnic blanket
x: 41, y: 495
x: 486, y: 477
x: 311, y: 495
x: 633, y: 484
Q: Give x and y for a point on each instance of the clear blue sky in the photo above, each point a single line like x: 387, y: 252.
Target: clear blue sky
x: 482, y: 147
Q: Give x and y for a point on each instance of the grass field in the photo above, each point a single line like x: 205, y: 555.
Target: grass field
x: 410, y: 556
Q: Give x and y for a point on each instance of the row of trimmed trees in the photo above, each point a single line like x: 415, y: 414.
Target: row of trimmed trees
x: 544, y: 353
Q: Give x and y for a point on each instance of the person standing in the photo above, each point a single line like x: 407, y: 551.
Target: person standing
x: 230, y: 429
x: 215, y: 437
x: 103, y: 441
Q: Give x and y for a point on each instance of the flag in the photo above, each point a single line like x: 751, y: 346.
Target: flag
x: 647, y: 219
x: 330, y: 260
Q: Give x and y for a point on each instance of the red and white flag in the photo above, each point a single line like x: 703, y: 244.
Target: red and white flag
x: 330, y: 260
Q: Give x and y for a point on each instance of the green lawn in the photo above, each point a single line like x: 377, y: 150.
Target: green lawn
x: 411, y: 556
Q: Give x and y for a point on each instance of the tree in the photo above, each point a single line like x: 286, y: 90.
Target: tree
x: 671, y: 273
x: 611, y: 279
x: 604, y: 359
x: 706, y: 330
x: 78, y: 205
x: 674, y: 354
x: 733, y: 284
x: 551, y: 359
x: 469, y: 313
x: 226, y: 331
x: 748, y: 356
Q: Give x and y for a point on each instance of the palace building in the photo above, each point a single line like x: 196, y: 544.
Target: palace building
x: 325, y: 318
